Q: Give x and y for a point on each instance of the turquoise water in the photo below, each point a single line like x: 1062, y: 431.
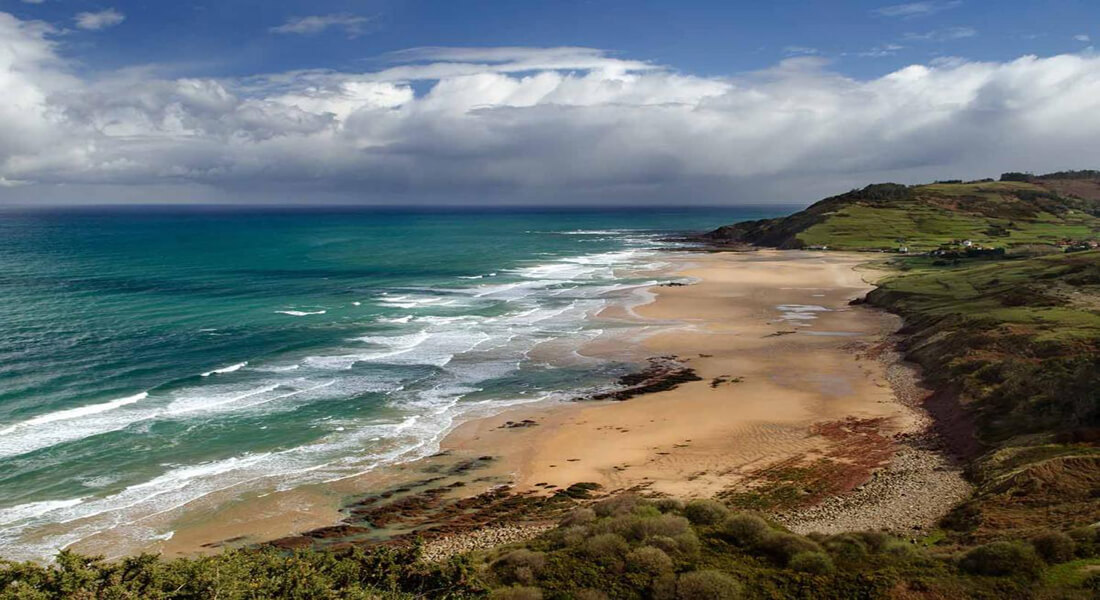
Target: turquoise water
x: 149, y: 357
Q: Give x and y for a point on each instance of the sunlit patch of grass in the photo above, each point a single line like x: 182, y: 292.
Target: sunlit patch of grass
x: 1071, y: 574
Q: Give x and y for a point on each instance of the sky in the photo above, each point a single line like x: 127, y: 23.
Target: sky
x: 403, y: 102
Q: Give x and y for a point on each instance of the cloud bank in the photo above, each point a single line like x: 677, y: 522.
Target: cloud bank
x: 528, y: 124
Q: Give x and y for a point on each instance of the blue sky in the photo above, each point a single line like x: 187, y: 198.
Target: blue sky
x: 570, y: 101
x: 705, y: 37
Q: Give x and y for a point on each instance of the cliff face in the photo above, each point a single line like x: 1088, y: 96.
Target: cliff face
x: 888, y: 216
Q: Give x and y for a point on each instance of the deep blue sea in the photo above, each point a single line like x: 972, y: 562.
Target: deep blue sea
x: 151, y: 356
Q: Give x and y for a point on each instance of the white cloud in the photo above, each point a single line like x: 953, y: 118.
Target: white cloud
x: 880, y: 51
x: 33, y: 1
x: 916, y: 9
x: 351, y: 24
x: 1082, y: 38
x: 945, y: 34
x: 94, y: 21
x: 800, y: 51
x: 527, y: 124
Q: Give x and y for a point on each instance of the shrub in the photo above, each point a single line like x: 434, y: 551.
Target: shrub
x: 638, y: 528
x: 705, y: 512
x: 580, y: 516
x: 688, y: 544
x: 963, y: 518
x: 648, y: 559
x: 615, y: 506
x: 606, y: 548
x: 666, y: 525
x: 1002, y: 558
x: 899, y: 549
x: 1087, y: 540
x: 1054, y: 546
x: 665, y: 544
x: 846, y: 547
x: 520, y: 566
x: 744, y: 530
x: 876, y: 541
x: 568, y: 536
x: 667, y: 505
x: 707, y: 585
x: 782, y: 547
x: 646, y: 511
x: 517, y: 593
x: 622, y: 525
x: 588, y: 594
x: 817, y: 563
x: 685, y: 545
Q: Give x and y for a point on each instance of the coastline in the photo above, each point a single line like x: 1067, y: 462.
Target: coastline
x: 793, y: 379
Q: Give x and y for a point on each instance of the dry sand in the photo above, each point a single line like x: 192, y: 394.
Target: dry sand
x: 792, y: 375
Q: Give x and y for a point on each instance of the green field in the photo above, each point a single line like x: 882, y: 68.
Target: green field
x: 1054, y: 297
x: 989, y: 214
x: 889, y: 217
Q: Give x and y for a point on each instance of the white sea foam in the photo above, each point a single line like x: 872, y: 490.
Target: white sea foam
x: 32, y: 510
x: 225, y: 370
x: 279, y: 368
x: 74, y: 413
x: 404, y: 319
x: 185, y: 403
x: 206, y: 401
x: 301, y: 313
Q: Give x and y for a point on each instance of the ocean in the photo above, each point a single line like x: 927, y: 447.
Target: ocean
x: 152, y: 356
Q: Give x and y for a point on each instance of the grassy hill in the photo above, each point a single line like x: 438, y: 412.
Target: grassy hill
x: 1014, y: 348
x: 887, y: 216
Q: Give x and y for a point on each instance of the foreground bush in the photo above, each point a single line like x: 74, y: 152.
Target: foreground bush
x: 1054, y: 546
x: 818, y: 563
x: 707, y: 585
x: 745, y: 530
x: 239, y: 574
x: 1002, y: 559
x: 634, y: 551
x: 705, y: 512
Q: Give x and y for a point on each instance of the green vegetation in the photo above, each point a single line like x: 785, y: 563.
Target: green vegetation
x: 625, y: 547
x: 1006, y: 214
x: 1014, y: 347
x: 379, y: 573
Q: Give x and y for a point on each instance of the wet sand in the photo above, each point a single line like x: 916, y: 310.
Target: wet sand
x: 782, y: 358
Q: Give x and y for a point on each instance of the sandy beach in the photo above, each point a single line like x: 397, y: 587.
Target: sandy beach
x: 791, y: 379
x: 790, y: 375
